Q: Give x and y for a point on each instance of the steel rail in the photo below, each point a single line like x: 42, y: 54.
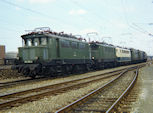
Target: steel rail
x: 84, y: 98
x: 5, y: 67
x: 23, y: 81
x: 28, y: 80
x: 88, y: 96
x: 54, y: 85
x: 45, y: 93
x: 123, y: 94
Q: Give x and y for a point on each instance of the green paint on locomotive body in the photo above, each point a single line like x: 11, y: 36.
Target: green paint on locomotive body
x: 56, y: 47
x: 33, y: 53
x: 67, y: 48
x: 103, y: 52
x: 134, y: 54
x: 141, y: 55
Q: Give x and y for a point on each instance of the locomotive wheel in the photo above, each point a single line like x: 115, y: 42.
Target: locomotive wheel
x: 69, y: 69
x: 83, y: 69
x: 20, y: 69
x: 88, y: 67
x: 49, y: 71
x: 66, y: 69
x: 76, y: 69
x: 32, y: 74
x: 25, y: 71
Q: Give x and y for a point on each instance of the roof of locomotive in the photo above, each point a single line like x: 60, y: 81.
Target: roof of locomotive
x: 102, y: 44
x: 52, y: 34
x: 122, y: 48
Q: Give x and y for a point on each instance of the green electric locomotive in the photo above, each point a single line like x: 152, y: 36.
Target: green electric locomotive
x: 103, y: 55
x: 49, y: 53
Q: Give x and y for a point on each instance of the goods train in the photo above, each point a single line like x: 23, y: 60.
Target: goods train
x: 48, y: 53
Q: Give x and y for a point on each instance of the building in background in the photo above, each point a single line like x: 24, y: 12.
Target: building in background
x: 7, y: 58
x: 10, y: 58
x: 11, y: 55
x: 150, y: 58
x: 2, y: 54
x: 2, y: 51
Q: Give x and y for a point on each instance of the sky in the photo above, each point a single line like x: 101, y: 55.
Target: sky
x: 126, y: 23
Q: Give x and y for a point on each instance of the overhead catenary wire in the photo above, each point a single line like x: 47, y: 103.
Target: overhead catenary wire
x: 148, y: 33
x: 12, y: 23
x: 87, y: 20
x: 133, y: 25
x: 92, y: 12
x: 59, y: 20
x: 126, y: 18
x: 9, y: 28
x: 140, y: 28
x: 27, y: 9
x: 49, y: 17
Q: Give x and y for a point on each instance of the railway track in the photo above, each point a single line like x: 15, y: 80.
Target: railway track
x: 106, y: 98
x: 6, y: 72
x: 29, y: 80
x: 5, y: 67
x: 17, y: 98
x: 22, y: 81
x: 127, y: 103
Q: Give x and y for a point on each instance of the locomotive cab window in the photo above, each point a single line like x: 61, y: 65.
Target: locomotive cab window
x: 36, y: 41
x: 82, y: 46
x: 29, y: 42
x: 65, y: 43
x: 43, y: 41
x: 74, y: 45
x: 24, y: 42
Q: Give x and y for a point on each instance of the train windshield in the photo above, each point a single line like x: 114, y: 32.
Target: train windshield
x: 29, y: 42
x: 43, y: 41
x: 35, y: 41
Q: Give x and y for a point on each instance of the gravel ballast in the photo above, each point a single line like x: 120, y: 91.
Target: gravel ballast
x: 53, y: 103
x: 52, y: 81
x: 144, y: 104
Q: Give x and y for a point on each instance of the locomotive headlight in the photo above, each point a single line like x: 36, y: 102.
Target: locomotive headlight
x: 93, y: 57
